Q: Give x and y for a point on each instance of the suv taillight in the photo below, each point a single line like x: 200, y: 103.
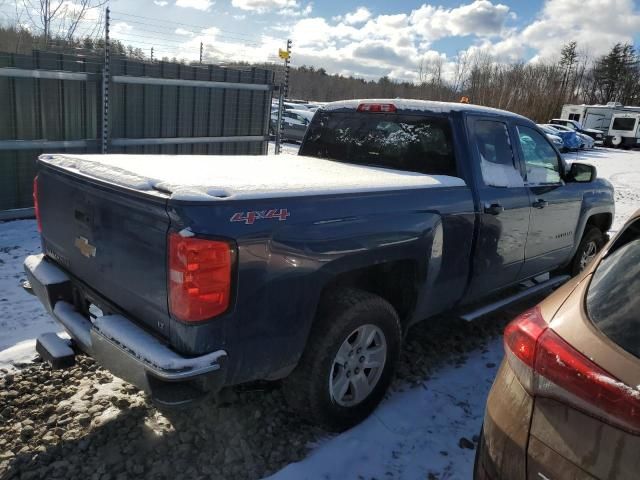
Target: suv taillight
x: 36, y: 206
x: 199, y: 277
x: 547, y: 366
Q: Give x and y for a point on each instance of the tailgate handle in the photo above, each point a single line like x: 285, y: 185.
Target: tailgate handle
x: 82, y: 217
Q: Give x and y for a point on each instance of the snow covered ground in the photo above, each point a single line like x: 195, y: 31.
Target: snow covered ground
x: 22, y: 317
x: 414, y: 434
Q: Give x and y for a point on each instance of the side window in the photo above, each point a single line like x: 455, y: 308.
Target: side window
x: 574, y: 116
x: 497, y: 161
x: 541, y: 160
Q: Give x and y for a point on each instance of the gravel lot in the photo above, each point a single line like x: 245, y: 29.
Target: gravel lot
x: 84, y: 423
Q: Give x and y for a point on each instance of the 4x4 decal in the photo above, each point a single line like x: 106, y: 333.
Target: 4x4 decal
x: 250, y: 217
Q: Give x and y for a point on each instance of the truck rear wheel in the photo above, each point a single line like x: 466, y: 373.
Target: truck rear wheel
x: 349, y: 360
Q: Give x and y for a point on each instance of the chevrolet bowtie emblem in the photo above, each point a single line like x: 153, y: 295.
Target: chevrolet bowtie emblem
x: 85, y: 247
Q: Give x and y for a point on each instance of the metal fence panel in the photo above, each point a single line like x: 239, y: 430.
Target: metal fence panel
x: 52, y: 103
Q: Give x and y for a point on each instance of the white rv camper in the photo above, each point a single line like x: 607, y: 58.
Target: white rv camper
x: 624, y: 130
x: 592, y: 116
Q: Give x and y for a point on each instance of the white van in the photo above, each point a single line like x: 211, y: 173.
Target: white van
x: 624, y: 130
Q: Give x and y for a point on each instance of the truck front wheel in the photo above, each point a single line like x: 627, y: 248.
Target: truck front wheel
x: 349, y: 360
x: 592, y: 242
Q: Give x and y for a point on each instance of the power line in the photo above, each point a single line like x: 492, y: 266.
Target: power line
x: 171, y: 22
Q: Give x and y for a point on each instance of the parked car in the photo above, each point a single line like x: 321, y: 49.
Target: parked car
x: 183, y: 275
x: 555, y: 139
x: 566, y: 401
x: 294, y: 123
x: 571, y: 140
x: 586, y: 142
x: 597, y: 135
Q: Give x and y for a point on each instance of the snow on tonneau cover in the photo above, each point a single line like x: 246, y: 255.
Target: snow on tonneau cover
x: 207, y: 178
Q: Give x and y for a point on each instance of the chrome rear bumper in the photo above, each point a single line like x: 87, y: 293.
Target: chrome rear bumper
x: 121, y: 346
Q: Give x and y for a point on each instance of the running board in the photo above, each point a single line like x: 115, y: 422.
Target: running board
x: 536, y: 288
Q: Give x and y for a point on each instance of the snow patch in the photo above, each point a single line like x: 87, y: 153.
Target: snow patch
x: 499, y: 175
x: 148, y: 348
x: 44, y: 272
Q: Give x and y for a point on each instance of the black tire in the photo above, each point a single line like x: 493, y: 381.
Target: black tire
x: 592, y: 236
x: 340, y: 314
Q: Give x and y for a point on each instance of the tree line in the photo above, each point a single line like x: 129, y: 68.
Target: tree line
x: 534, y: 89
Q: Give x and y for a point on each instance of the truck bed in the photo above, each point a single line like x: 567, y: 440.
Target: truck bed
x: 226, y: 177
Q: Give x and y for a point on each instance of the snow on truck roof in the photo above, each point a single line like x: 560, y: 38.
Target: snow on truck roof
x: 239, y: 177
x: 409, y: 105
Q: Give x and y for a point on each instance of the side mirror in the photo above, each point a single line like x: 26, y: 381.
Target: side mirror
x: 582, y: 173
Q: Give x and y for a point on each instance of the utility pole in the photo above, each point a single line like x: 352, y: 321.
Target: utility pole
x: 105, y: 85
x: 284, y: 93
x: 287, y: 67
x: 200, y: 53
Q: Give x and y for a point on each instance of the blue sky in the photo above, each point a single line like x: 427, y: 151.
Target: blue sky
x: 403, y: 39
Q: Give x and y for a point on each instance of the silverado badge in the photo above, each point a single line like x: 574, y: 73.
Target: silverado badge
x: 85, y: 247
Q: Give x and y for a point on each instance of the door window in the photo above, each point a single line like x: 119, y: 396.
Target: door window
x: 497, y: 161
x: 541, y: 160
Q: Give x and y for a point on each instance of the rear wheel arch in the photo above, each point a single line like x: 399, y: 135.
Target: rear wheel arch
x: 395, y: 281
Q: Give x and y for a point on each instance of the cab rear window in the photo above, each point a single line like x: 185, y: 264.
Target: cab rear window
x: 414, y: 143
x: 613, y: 299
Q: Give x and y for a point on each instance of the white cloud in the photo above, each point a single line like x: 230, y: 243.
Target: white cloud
x: 263, y: 6
x: 183, y: 31
x: 121, y: 28
x: 363, y: 44
x: 197, y: 4
x: 595, y: 24
x: 362, y: 14
x: 480, y: 18
x: 296, y: 12
x: 161, y: 3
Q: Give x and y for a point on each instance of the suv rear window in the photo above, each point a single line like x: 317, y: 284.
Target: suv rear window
x: 613, y: 299
x: 622, y: 123
x: 413, y: 143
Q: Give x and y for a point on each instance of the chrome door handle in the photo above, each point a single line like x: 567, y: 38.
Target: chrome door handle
x: 493, y: 209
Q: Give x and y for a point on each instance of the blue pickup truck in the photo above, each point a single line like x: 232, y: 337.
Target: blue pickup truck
x: 184, y: 274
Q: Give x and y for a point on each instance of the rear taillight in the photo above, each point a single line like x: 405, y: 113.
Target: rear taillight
x: 377, y: 107
x: 199, y: 277
x: 520, y: 339
x: 36, y: 206
x: 547, y: 366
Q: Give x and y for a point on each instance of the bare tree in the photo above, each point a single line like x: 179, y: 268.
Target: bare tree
x: 60, y: 18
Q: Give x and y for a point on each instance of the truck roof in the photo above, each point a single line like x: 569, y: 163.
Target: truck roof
x: 404, y: 105
x: 240, y: 177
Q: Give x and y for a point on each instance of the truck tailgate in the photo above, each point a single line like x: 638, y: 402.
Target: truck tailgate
x: 112, y: 239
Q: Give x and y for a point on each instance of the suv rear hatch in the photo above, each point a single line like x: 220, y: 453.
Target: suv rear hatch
x: 112, y: 239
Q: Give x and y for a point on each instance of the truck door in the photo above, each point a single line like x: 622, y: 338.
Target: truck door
x: 505, y: 207
x: 555, y: 205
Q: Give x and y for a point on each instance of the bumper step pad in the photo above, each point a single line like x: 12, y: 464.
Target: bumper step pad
x: 55, y: 350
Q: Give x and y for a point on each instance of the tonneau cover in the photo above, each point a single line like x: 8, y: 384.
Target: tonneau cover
x: 236, y: 177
